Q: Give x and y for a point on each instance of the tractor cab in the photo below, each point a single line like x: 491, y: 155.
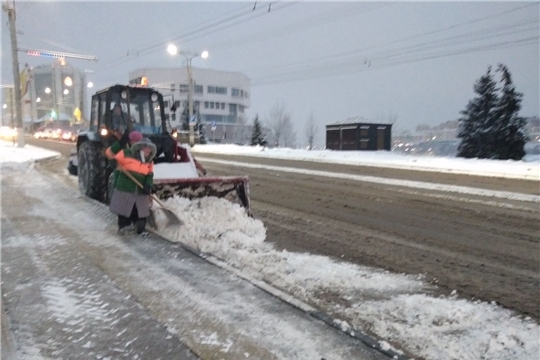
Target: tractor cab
x: 122, y: 108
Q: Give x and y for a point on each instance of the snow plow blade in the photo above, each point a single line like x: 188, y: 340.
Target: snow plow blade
x: 234, y: 189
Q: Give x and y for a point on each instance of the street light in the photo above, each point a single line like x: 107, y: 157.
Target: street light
x: 38, y: 99
x: 47, y: 90
x: 90, y: 84
x: 173, y: 50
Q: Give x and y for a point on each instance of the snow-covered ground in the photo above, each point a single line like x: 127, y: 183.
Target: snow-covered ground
x: 395, y: 307
x: 526, y: 169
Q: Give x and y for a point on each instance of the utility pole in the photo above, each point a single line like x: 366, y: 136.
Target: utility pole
x: 190, y: 103
x: 16, y: 76
x: 173, y: 50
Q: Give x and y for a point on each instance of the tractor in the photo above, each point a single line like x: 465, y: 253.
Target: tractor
x: 176, y: 172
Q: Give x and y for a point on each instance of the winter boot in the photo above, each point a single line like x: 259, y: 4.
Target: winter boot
x: 122, y: 231
x: 140, y: 226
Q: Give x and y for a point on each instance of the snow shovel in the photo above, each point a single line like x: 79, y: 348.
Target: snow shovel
x: 172, y: 218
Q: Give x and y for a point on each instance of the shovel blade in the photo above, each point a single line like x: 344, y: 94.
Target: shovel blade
x: 172, y: 218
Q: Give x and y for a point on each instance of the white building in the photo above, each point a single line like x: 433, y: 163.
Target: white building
x: 219, y: 97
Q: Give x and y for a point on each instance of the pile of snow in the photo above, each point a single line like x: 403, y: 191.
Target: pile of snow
x: 394, y: 307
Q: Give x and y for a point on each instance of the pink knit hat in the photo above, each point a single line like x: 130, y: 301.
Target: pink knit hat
x: 135, y: 136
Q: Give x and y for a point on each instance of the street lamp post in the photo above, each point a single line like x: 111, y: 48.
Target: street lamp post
x: 173, y: 50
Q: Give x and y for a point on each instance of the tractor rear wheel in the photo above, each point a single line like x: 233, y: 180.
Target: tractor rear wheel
x: 92, y: 171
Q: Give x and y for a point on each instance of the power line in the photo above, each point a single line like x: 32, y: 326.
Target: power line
x: 351, y: 69
x: 347, y: 54
x: 400, y: 52
x: 296, y: 26
x: 150, y: 49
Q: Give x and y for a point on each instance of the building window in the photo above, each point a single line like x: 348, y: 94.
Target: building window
x: 364, y: 131
x: 235, y: 92
x: 364, y: 144
x: 206, y: 104
x: 232, y: 108
x: 241, y: 108
x: 198, y: 89
x: 184, y: 88
x: 216, y: 90
x: 172, y: 87
x: 246, y: 94
x: 222, y: 106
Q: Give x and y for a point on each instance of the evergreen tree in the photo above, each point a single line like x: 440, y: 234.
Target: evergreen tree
x: 491, y: 126
x: 477, y: 119
x: 257, y: 137
x: 509, y: 128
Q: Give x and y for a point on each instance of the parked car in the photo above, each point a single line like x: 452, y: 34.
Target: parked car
x: 43, y: 133
x: 71, y: 133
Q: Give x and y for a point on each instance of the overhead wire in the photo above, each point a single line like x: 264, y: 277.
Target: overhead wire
x: 347, y: 54
x: 197, y: 33
x: 372, y: 58
x: 353, y: 61
x: 330, y: 72
x: 298, y: 25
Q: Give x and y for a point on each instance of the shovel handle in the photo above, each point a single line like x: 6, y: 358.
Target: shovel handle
x: 129, y: 175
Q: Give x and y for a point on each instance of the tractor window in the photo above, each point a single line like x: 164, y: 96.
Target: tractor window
x: 145, y: 115
x: 102, y: 108
x: 94, y: 115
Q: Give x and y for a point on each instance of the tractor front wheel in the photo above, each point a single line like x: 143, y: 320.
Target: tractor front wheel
x: 92, y: 171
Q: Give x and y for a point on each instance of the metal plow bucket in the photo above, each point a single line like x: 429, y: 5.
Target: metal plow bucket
x: 232, y: 188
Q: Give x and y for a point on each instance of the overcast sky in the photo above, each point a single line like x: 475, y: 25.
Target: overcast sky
x: 414, y: 62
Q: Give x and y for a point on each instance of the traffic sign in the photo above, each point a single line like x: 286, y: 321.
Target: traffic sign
x: 192, y: 119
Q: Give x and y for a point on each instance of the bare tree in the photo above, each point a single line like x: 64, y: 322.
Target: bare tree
x: 311, y: 131
x: 289, y: 134
x: 242, y: 130
x: 278, y: 114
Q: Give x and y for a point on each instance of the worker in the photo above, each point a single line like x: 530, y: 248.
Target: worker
x: 129, y: 201
x: 119, y: 119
